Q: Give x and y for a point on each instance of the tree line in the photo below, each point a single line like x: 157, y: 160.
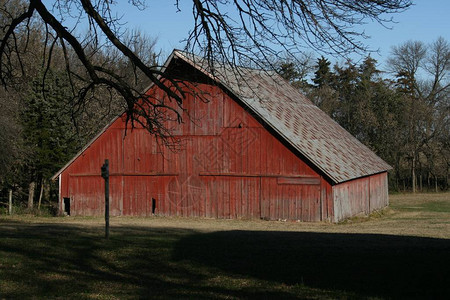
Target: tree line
x: 402, y: 113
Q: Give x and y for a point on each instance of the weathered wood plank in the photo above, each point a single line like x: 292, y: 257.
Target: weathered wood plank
x: 298, y: 180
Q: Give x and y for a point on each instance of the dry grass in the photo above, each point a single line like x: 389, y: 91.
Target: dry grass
x: 423, y: 215
x: 401, y: 252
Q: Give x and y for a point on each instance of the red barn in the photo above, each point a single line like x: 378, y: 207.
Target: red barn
x: 256, y: 149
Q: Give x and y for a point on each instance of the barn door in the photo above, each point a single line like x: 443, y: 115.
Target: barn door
x: 289, y: 200
x: 232, y: 197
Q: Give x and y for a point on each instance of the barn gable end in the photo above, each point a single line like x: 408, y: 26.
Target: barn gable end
x: 244, y: 155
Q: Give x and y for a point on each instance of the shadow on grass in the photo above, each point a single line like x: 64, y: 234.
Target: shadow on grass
x: 363, y: 264
x: 68, y: 261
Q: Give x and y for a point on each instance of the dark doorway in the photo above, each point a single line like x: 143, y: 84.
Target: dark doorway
x: 153, y: 206
x: 67, y: 206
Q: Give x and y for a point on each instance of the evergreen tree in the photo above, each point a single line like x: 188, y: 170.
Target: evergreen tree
x: 48, y: 133
x: 323, y: 93
x: 323, y: 75
x: 346, y: 80
x: 288, y: 71
x: 296, y: 70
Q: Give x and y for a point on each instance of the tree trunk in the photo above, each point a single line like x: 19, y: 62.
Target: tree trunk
x: 413, y: 174
x: 40, y: 194
x: 10, y: 202
x: 448, y: 181
x: 397, y: 172
x: 31, y: 189
x: 435, y: 184
x: 46, y: 191
x: 421, y: 183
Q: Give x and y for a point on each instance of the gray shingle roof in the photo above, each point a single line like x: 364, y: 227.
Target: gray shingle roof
x: 302, y: 124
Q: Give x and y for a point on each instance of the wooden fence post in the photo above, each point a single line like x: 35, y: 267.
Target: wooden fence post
x: 105, y: 175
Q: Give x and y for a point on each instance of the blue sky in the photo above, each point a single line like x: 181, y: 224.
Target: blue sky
x: 425, y: 21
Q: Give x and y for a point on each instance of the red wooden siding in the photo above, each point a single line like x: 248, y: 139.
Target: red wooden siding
x: 362, y: 195
x: 230, y: 166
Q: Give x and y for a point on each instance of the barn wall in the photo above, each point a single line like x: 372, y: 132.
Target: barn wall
x: 229, y: 167
x: 379, y: 193
x: 360, y: 196
x: 82, y: 183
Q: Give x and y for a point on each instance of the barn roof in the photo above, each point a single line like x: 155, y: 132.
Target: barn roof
x: 309, y: 130
x: 295, y: 118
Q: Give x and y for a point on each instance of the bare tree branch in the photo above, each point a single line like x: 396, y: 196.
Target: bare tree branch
x: 225, y: 32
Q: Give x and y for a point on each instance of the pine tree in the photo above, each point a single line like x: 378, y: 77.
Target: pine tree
x: 48, y: 133
x: 323, y: 75
x: 323, y: 93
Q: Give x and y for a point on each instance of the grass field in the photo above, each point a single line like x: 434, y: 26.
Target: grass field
x: 402, y: 252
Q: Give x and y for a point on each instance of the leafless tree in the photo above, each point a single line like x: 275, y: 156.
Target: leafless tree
x: 424, y: 75
x: 229, y: 31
